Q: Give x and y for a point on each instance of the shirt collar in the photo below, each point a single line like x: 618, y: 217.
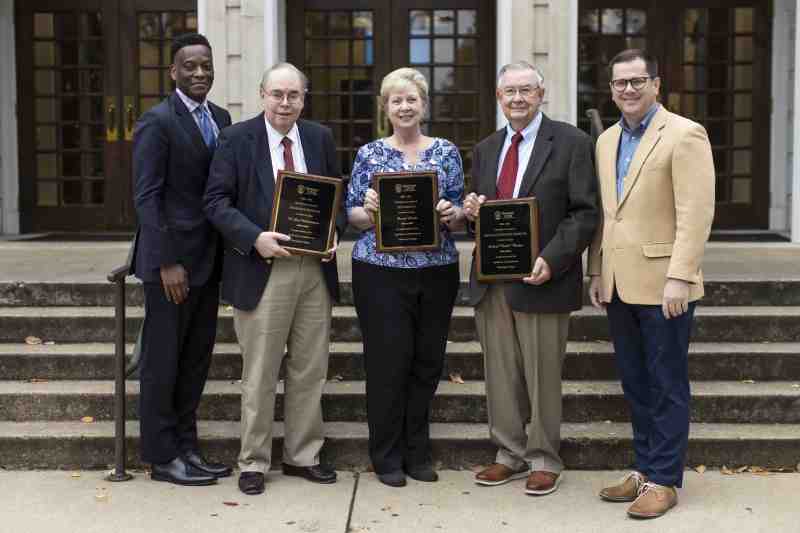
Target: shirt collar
x: 530, y: 131
x: 274, y: 137
x: 645, y: 121
x: 190, y: 104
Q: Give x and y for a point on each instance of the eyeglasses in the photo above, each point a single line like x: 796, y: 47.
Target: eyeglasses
x: 637, y: 84
x: 292, y: 96
x: 526, y: 91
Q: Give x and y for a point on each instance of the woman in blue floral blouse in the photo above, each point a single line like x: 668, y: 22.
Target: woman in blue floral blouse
x: 404, y: 300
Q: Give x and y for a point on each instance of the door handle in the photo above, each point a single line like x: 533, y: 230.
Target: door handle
x: 130, y: 118
x: 381, y: 124
x: 112, y: 132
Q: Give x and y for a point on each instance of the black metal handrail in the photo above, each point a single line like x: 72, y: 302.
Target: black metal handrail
x: 595, y: 123
x: 117, y: 277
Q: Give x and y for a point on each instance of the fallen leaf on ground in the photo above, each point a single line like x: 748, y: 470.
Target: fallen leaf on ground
x: 337, y: 377
x: 75, y: 475
x: 87, y: 419
x: 742, y: 469
x: 455, y: 377
x: 214, y: 514
x: 32, y: 340
x: 756, y: 469
x: 700, y: 469
x: 230, y: 504
x: 726, y: 471
x: 37, y: 380
x: 49, y: 343
x: 796, y: 385
x: 748, y: 381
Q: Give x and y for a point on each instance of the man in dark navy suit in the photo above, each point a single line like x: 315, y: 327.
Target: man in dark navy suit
x: 178, y: 258
x: 280, y: 300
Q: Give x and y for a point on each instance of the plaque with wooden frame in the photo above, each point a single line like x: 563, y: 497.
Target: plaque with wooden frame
x: 506, y: 239
x: 304, y: 207
x: 407, y: 220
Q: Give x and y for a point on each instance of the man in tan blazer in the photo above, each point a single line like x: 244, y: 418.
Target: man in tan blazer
x: 656, y: 175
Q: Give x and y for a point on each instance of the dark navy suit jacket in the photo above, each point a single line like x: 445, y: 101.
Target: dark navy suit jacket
x: 170, y: 167
x: 238, y: 201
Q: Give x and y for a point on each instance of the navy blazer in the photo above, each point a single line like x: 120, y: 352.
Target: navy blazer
x: 238, y: 201
x: 561, y: 175
x: 170, y: 169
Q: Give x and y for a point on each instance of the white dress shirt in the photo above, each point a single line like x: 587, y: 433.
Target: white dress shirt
x: 191, y: 105
x: 525, y: 148
x: 275, y: 146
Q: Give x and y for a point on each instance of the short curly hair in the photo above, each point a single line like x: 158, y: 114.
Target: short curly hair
x: 188, y: 39
x: 401, y: 78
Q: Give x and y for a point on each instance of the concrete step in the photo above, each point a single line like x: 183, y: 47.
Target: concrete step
x: 74, y: 445
x: 730, y: 291
x: 344, y: 401
x: 96, y: 324
x: 584, y: 360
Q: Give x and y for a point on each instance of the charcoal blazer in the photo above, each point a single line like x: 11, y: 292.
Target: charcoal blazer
x: 561, y: 175
x: 170, y: 167
x: 238, y: 201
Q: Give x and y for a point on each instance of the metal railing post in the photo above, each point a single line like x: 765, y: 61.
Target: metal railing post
x: 119, y: 473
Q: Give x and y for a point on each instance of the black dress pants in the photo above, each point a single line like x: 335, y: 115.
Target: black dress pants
x: 404, y: 315
x: 177, y: 341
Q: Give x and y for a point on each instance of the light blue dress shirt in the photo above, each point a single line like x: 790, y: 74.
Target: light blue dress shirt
x: 628, y: 143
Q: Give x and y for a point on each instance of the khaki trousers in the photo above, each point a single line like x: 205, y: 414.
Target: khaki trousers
x: 523, y: 356
x: 294, y: 314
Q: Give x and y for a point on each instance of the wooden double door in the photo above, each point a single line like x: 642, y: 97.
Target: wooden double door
x: 86, y: 70
x: 714, y: 60
x: 346, y: 47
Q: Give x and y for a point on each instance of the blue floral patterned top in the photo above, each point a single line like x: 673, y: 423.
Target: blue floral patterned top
x: 379, y: 156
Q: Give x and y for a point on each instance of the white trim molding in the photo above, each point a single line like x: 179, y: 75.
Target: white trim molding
x: 9, y: 155
x: 780, y: 182
x: 796, y: 132
x: 504, y: 19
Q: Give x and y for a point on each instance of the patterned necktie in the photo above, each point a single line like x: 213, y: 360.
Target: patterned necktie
x: 206, y: 129
x: 288, y: 161
x: 508, y: 172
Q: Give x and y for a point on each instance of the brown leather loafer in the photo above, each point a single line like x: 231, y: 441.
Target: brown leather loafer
x: 497, y: 474
x: 654, y: 500
x: 626, y: 490
x: 540, y: 483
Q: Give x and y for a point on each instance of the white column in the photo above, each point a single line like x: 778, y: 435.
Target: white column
x: 572, y: 75
x: 780, y: 182
x: 505, y: 19
x: 202, y: 17
x: 9, y: 164
x: 272, y: 33
x: 796, y: 132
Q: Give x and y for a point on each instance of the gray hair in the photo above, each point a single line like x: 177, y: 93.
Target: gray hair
x: 284, y: 66
x: 521, y: 65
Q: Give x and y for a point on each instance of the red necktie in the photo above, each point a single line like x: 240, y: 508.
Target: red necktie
x: 508, y: 172
x: 288, y: 161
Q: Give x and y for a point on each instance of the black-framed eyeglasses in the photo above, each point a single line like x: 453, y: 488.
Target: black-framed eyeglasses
x: 637, y: 84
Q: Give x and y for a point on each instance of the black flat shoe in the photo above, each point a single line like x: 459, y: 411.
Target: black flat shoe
x: 423, y: 473
x: 393, y: 479
x: 316, y: 473
x: 215, y: 469
x: 180, y: 472
x: 251, y: 483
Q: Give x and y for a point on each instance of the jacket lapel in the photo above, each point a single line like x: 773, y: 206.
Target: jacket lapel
x: 493, y: 148
x: 311, y: 149
x: 541, y: 151
x: 643, y: 151
x: 262, y: 158
x: 608, y: 172
x: 187, y: 122
x: 219, y: 116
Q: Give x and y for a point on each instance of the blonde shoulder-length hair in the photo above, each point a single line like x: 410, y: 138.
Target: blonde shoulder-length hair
x: 402, y: 78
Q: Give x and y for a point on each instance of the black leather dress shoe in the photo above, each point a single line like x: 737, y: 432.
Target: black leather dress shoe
x: 180, y: 472
x: 316, y: 473
x: 423, y: 473
x: 393, y: 479
x: 251, y: 483
x: 215, y: 469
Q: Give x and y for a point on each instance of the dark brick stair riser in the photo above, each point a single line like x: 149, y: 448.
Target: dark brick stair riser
x: 468, y: 408
x: 102, y: 294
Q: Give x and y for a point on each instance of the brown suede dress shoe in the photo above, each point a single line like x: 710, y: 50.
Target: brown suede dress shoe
x: 654, y: 500
x: 626, y: 490
x: 540, y: 482
x: 497, y: 474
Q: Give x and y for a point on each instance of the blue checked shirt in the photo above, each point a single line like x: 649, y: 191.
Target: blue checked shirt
x: 628, y: 143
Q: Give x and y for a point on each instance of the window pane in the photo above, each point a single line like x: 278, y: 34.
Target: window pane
x: 315, y: 23
x: 443, y: 51
x: 362, y: 52
x: 45, y: 81
x: 744, y: 19
x: 744, y: 49
x: 740, y: 190
x: 148, y: 53
x: 741, y: 161
x: 419, y: 51
x: 316, y: 52
x: 467, y: 51
x: 149, y: 81
x: 69, y: 81
x: 743, y: 133
x: 444, y: 22
x: 339, y: 23
x: 44, y: 53
x: 589, y: 21
x: 47, y: 194
x: 636, y: 21
x: 73, y: 192
x: 71, y: 165
x: 71, y: 136
x: 46, y: 137
x: 743, y: 77
x: 419, y: 22
x: 694, y: 21
x: 93, y: 164
x: 43, y: 25
x: 149, y: 26
x: 340, y: 52
x: 46, y: 166
x: 467, y: 21
x: 612, y: 21
x: 362, y: 24
x: 443, y: 79
x: 45, y: 109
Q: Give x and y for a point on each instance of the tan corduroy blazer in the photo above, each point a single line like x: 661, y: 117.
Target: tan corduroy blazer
x: 659, y: 227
